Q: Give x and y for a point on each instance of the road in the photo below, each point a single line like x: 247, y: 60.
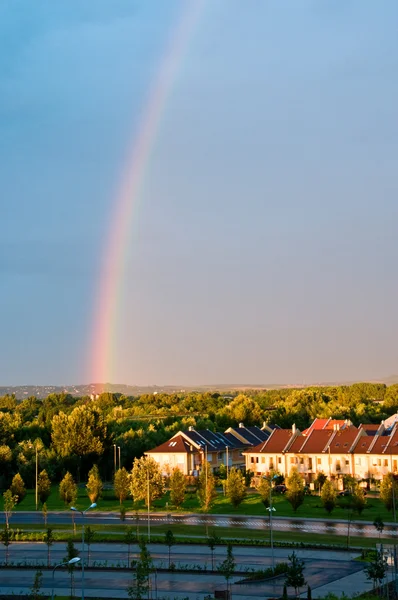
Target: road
x: 330, y: 527
x: 321, y: 569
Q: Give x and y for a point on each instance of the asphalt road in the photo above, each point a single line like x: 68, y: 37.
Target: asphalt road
x: 331, y: 527
x: 321, y: 568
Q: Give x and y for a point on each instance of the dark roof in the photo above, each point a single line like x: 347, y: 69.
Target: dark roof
x: 253, y: 435
x: 176, y: 444
x: 214, y: 441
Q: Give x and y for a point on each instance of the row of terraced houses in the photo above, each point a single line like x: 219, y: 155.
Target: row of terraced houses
x: 330, y: 446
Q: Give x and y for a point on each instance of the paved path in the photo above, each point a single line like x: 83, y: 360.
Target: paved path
x: 322, y: 569
x: 286, y: 524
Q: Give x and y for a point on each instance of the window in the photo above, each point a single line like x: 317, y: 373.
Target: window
x: 301, y: 460
x: 271, y: 464
x: 386, y: 462
x: 292, y: 460
x: 252, y: 459
x: 379, y: 462
x: 319, y: 461
x: 257, y: 459
x: 338, y: 467
x: 280, y: 459
x: 263, y: 460
x: 310, y: 463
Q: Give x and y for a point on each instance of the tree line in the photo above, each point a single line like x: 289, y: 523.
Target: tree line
x: 70, y: 434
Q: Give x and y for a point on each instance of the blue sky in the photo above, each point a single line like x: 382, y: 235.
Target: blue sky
x: 265, y: 246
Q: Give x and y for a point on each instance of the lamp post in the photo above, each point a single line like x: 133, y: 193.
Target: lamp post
x: 83, y: 512
x: 271, y: 509
x: 226, y: 448
x: 118, y: 448
x: 114, y: 459
x: 72, y: 561
x: 148, y: 498
x: 37, y: 479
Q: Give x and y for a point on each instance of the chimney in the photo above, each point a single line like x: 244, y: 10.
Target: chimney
x: 241, y: 425
x: 190, y: 428
x: 336, y: 426
x: 294, y: 428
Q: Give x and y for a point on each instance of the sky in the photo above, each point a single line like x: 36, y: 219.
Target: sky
x: 263, y: 245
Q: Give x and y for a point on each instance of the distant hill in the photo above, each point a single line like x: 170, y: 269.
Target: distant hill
x: 42, y: 391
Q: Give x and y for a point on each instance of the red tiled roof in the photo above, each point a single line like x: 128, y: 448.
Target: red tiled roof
x: 176, y: 444
x: 332, y: 422
x: 343, y: 440
x: 316, y: 424
x: 297, y: 444
x: 317, y: 441
x: 277, y: 441
x: 363, y: 443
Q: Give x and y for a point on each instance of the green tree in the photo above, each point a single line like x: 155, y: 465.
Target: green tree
x: 80, y: 433
x: 49, y: 539
x: 358, y: 499
x: 227, y: 567
x: 89, y: 537
x: 146, y: 480
x: 388, y: 491
x: 5, y: 536
x: 319, y: 481
x: 128, y: 539
x: 235, y: 487
x: 264, y: 489
x: 9, y: 502
x: 169, y: 540
x: 121, y: 484
x: 68, y: 489
x: 295, y: 573
x: 35, y: 590
x: 212, y: 541
x: 378, y: 523
x: 328, y: 496
x: 376, y: 570
x: 143, y: 568
x: 43, y: 486
x: 295, y: 489
x: 94, y: 484
x: 17, y: 487
x: 178, y: 486
x: 206, y: 487
x: 71, y: 552
x: 45, y: 513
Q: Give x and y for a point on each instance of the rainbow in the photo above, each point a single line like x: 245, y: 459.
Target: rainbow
x: 111, y: 279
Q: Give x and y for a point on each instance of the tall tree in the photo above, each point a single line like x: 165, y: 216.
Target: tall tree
x: 358, y: 499
x: 146, y: 481
x: 43, y: 486
x: 68, y: 489
x: 49, y: 539
x: 94, y: 484
x: 121, y: 484
x: 5, y: 537
x: 227, y: 567
x: 295, y: 489
x: 206, y: 487
x: 178, y: 486
x: 128, y: 539
x: 169, y: 540
x: 89, y: 537
x: 235, y: 487
x: 388, y: 491
x: 212, y: 541
x: 264, y: 489
x: 376, y: 570
x: 81, y: 433
x: 143, y: 568
x: 17, y: 487
x: 295, y: 573
x: 328, y: 496
x: 9, y: 502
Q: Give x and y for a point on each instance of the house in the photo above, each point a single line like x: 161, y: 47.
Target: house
x: 188, y: 449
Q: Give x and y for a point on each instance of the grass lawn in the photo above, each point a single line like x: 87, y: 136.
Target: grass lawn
x: 251, y: 506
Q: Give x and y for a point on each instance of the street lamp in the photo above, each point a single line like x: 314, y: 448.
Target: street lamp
x: 83, y: 512
x: 37, y: 472
x: 72, y: 561
x: 271, y: 510
x: 148, y: 501
x: 114, y: 459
